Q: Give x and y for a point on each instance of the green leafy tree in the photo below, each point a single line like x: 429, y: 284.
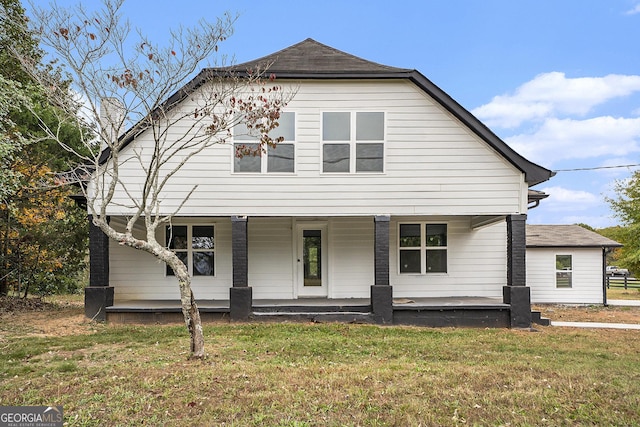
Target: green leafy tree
x: 42, y: 234
x: 626, y: 206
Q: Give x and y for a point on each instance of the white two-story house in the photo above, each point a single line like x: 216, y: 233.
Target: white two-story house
x: 385, y: 196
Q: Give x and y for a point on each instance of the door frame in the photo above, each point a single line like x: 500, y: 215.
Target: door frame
x: 320, y: 291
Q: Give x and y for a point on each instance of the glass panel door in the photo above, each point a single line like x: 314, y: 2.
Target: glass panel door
x: 312, y: 257
x: 312, y: 260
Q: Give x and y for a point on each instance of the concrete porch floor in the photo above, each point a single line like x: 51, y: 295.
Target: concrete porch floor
x: 223, y: 305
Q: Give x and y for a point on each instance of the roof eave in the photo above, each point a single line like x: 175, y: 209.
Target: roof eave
x: 576, y: 246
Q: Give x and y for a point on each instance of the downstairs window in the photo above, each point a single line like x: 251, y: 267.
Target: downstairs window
x: 422, y: 248
x: 194, y: 245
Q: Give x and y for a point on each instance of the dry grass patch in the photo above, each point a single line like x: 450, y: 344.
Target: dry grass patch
x: 330, y: 375
x: 623, y: 294
x: 590, y: 313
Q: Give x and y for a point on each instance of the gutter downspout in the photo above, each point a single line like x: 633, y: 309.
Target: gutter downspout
x: 604, y: 277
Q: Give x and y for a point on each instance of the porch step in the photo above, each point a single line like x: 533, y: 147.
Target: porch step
x: 536, y: 317
x: 319, y: 309
x: 316, y: 317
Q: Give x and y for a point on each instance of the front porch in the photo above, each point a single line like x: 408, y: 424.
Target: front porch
x: 350, y: 299
x: 431, y: 312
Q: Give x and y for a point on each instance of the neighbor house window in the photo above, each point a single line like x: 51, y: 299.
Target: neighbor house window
x: 352, y: 142
x: 564, y: 271
x: 422, y: 248
x: 195, y: 246
x: 278, y: 159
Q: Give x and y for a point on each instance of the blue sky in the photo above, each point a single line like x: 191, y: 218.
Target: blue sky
x: 558, y: 80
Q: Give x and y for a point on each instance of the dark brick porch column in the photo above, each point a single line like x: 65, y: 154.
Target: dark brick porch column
x: 98, y: 295
x: 517, y: 293
x: 240, y: 295
x: 381, y: 291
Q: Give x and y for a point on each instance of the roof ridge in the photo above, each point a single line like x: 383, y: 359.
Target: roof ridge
x: 311, y: 56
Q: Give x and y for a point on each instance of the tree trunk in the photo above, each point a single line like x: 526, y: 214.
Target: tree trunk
x: 189, y: 309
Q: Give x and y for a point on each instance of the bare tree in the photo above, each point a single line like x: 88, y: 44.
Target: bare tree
x: 142, y: 87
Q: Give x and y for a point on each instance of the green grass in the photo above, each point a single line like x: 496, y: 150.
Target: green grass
x: 624, y: 294
x: 334, y: 375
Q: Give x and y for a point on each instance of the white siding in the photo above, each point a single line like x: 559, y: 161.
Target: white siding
x: 587, y: 276
x: 351, y: 257
x: 138, y: 275
x: 270, y: 255
x: 477, y: 262
x: 433, y: 165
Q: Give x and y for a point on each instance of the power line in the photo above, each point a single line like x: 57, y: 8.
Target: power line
x: 596, y: 168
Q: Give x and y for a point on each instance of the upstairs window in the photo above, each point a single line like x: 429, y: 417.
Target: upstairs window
x: 422, y: 248
x: 194, y: 245
x: 278, y: 159
x: 564, y: 271
x: 353, y: 142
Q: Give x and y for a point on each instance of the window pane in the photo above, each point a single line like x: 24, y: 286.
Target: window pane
x: 369, y: 157
x: 202, y: 237
x: 409, y: 261
x: 280, y: 158
x: 177, y: 237
x: 563, y: 262
x: 286, y: 127
x: 247, y: 163
x: 203, y: 263
x: 410, y: 235
x: 436, y: 235
x: 436, y: 261
x: 564, y: 273
x: 336, y: 126
x: 335, y: 158
x: 242, y: 133
x: 369, y: 126
x: 183, y: 257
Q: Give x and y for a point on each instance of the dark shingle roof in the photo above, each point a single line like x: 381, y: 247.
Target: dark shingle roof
x: 566, y: 236
x: 312, y: 57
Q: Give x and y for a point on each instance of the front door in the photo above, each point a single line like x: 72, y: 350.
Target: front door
x: 312, y: 261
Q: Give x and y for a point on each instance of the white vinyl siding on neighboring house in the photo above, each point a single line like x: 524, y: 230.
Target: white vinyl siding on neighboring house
x: 586, y: 276
x: 433, y: 165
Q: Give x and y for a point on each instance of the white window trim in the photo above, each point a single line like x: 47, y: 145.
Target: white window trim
x: 352, y: 142
x: 555, y: 260
x: 423, y: 248
x: 190, y: 249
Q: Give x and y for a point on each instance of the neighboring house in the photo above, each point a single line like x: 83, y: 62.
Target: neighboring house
x: 566, y: 264
x: 387, y: 197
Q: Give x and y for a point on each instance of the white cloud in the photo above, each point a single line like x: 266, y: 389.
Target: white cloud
x: 561, y: 139
x: 634, y: 10
x: 552, y: 94
x: 561, y: 198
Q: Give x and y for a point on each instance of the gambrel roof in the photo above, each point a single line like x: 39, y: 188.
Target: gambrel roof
x: 310, y: 59
x: 566, y: 236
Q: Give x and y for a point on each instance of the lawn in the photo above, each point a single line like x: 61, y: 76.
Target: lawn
x: 303, y: 374
x: 624, y: 294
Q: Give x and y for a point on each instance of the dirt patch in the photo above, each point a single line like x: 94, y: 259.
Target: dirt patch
x: 36, y: 317
x: 17, y: 305
x: 567, y: 313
